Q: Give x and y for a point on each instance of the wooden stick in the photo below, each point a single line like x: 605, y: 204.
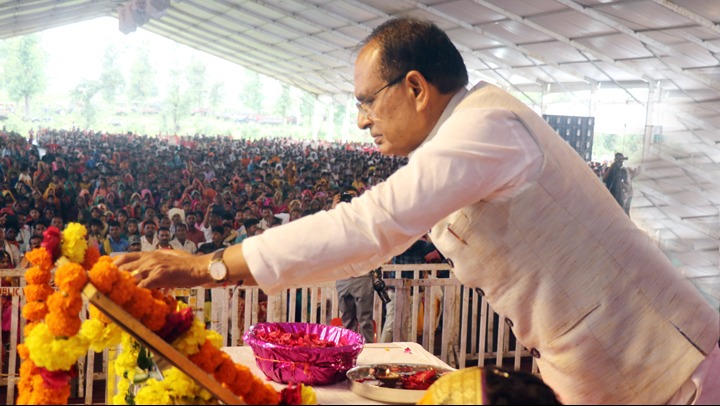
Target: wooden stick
x: 158, y: 346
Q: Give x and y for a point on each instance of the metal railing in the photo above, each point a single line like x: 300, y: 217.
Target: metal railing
x: 450, y: 320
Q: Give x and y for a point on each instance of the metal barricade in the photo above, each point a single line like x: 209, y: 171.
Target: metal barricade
x: 450, y: 320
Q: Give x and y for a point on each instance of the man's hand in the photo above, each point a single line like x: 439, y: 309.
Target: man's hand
x: 166, y: 268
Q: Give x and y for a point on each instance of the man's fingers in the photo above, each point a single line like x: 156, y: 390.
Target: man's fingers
x: 122, y: 261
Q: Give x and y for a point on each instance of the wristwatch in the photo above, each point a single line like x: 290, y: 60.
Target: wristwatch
x: 217, y: 268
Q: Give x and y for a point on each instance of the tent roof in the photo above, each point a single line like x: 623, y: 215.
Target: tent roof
x: 528, y: 46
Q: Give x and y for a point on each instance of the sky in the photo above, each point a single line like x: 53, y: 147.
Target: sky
x: 75, y: 52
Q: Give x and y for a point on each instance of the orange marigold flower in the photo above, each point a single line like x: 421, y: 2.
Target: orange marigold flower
x: 171, y: 302
x: 34, y: 311
x: 204, y: 358
x: 45, y: 395
x: 123, y: 289
x: 70, y: 277
x: 154, y: 319
x: 96, y: 314
x: 37, y: 293
x: 226, y: 372
x: 23, y: 351
x: 61, y: 325
x: 215, y: 356
x: 40, y: 257
x: 92, y: 255
x: 140, y: 304
x: 69, y: 304
x: 103, y: 275
x: 37, y: 276
x: 259, y: 393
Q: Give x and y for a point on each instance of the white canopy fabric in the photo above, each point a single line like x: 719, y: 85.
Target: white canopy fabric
x: 669, y: 47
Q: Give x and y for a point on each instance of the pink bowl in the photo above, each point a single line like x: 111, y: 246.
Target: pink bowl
x: 311, y: 366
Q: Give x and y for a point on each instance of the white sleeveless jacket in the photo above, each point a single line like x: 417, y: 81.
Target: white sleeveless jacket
x: 608, y: 317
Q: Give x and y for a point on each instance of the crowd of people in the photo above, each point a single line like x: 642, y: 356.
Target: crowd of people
x: 195, y: 193
x: 140, y: 193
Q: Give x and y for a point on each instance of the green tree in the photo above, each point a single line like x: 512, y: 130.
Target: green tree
x: 177, y: 101
x: 252, y: 96
x: 307, y: 106
x: 142, y: 77
x: 339, y: 115
x: 111, y: 78
x: 284, y: 101
x: 215, y: 95
x: 82, y: 95
x: 196, y: 76
x: 24, y: 72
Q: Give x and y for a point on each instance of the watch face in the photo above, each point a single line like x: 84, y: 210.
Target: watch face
x: 218, y: 270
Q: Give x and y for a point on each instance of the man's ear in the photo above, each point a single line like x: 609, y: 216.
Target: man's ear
x: 420, y: 88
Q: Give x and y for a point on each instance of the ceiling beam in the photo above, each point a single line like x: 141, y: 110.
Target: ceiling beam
x: 294, y: 56
x: 252, y: 47
x: 610, y: 21
x: 692, y: 16
x: 468, y: 53
x: 238, y: 54
x: 499, y: 39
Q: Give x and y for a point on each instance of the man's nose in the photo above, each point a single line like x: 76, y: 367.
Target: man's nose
x: 363, y: 120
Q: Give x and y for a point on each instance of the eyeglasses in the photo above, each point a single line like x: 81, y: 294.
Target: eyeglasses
x: 364, y: 106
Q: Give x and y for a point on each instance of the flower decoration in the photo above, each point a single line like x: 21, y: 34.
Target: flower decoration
x: 55, y: 336
x: 51, y: 242
x: 74, y: 244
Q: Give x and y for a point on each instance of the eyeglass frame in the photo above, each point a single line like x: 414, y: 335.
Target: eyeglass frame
x: 364, y: 106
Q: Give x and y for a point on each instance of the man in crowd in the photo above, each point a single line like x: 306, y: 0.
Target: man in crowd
x: 194, y: 234
x: 181, y: 242
x: 114, y: 242
x: 617, y: 181
x: 149, y: 239
x: 10, y: 248
x: 356, y: 295
x: 135, y: 243
x: 518, y: 213
x: 164, y: 236
x: 216, y: 242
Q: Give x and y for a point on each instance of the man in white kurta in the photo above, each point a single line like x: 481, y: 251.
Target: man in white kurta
x: 519, y: 214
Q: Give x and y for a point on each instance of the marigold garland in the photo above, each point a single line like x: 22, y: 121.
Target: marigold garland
x: 53, y: 346
x: 176, y: 388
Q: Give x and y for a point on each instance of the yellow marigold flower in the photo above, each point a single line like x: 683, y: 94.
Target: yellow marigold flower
x: 52, y: 353
x: 153, y: 393
x: 123, y: 386
x: 189, y: 343
x: 308, y: 396
x: 215, y: 338
x: 99, y: 335
x: 74, y: 244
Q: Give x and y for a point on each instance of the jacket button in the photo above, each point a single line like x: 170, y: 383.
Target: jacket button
x: 535, y: 353
x: 449, y: 261
x: 510, y: 323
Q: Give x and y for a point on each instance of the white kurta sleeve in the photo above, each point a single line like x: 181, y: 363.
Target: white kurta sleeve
x: 475, y: 154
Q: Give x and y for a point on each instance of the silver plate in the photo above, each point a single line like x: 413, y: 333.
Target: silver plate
x: 371, y: 388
